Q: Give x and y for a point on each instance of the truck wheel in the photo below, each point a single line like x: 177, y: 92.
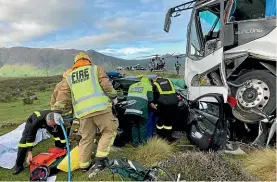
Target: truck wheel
x: 260, y: 94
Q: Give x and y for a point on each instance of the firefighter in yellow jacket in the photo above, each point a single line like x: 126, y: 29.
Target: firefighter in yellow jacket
x: 68, y: 106
x: 57, y: 88
x: 91, y: 93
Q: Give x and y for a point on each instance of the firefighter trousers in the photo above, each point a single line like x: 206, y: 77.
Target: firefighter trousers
x: 107, y: 124
x: 23, y: 144
x: 166, y: 117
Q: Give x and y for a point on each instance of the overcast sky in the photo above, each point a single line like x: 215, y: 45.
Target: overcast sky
x: 121, y: 28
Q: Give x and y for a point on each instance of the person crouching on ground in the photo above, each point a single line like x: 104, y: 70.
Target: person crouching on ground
x: 39, y: 119
x: 138, y: 112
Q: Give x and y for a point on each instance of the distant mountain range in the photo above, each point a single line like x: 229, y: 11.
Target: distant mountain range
x: 22, y: 61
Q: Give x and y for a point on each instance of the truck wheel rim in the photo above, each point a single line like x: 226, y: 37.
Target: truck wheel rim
x: 256, y: 94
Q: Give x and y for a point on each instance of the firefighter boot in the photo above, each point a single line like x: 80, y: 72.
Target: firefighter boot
x: 169, y: 137
x: 100, y: 164
x: 21, y: 154
x: 162, y: 133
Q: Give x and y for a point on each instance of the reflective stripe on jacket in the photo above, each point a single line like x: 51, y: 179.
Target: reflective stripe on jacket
x: 164, y: 86
x: 33, y: 123
x: 87, y: 95
x: 164, y: 92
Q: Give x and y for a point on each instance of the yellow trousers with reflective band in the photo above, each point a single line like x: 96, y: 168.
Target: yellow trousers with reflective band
x: 107, y: 125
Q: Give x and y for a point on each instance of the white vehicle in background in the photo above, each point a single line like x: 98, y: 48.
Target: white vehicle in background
x: 231, y: 50
x: 119, y: 68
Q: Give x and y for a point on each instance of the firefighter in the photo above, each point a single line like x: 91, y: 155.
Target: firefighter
x: 68, y: 113
x: 39, y: 119
x: 138, y: 113
x: 92, y: 96
x: 167, y: 104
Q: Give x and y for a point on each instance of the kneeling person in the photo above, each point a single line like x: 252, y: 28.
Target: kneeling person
x: 39, y: 119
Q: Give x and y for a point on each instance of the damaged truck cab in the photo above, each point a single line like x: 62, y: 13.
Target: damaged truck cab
x: 231, y: 50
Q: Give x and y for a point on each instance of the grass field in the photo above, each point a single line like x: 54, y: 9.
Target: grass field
x: 192, y: 165
x: 20, y: 71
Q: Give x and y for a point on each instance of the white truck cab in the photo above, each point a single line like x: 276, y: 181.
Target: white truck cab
x: 231, y: 50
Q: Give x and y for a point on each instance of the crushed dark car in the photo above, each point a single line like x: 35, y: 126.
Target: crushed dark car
x: 202, y: 121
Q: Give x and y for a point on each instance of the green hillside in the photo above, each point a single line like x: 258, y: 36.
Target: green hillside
x: 22, y: 61
x: 20, y: 71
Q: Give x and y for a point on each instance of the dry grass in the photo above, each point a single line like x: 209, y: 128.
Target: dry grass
x: 203, y: 166
x: 262, y: 163
x: 154, y: 151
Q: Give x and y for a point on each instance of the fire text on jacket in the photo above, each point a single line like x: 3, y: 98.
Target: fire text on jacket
x: 80, y: 76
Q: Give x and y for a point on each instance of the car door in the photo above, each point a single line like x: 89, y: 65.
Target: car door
x: 206, y: 125
x: 205, y: 52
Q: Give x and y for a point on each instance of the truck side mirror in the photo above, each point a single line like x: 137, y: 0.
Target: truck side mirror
x: 167, y: 21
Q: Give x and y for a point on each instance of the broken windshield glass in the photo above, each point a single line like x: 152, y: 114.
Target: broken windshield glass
x: 209, y: 20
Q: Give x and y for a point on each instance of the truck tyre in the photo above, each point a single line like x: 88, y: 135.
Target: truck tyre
x: 261, y: 94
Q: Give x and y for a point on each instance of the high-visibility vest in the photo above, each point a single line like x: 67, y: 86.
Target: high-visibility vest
x: 140, y: 90
x: 164, y: 86
x: 87, y: 95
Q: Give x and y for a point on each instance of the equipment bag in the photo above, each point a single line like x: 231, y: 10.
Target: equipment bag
x: 135, y: 171
x: 128, y: 169
x: 74, y: 161
x: 40, y: 173
x: 45, y: 164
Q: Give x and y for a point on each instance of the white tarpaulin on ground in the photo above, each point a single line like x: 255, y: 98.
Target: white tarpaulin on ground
x: 51, y: 179
x: 9, y: 144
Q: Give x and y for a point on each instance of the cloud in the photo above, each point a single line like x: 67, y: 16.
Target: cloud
x: 89, y: 42
x: 133, y: 50
x: 122, y: 30
x: 146, y: 1
x: 132, y: 27
x: 102, y: 41
x: 28, y: 19
x: 103, y: 4
x: 20, y: 31
x: 127, y: 51
x: 112, y: 24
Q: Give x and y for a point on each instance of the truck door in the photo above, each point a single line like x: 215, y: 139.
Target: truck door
x: 204, y: 68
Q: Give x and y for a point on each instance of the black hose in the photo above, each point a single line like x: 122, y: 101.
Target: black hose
x: 163, y: 169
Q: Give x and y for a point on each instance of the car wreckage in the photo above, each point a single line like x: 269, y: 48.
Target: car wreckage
x: 230, y: 73
x: 192, y: 117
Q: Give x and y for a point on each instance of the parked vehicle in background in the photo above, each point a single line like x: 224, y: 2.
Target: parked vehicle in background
x: 137, y: 67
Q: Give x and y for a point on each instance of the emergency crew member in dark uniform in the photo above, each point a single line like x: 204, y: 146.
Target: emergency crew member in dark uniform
x: 39, y: 119
x: 167, y: 105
